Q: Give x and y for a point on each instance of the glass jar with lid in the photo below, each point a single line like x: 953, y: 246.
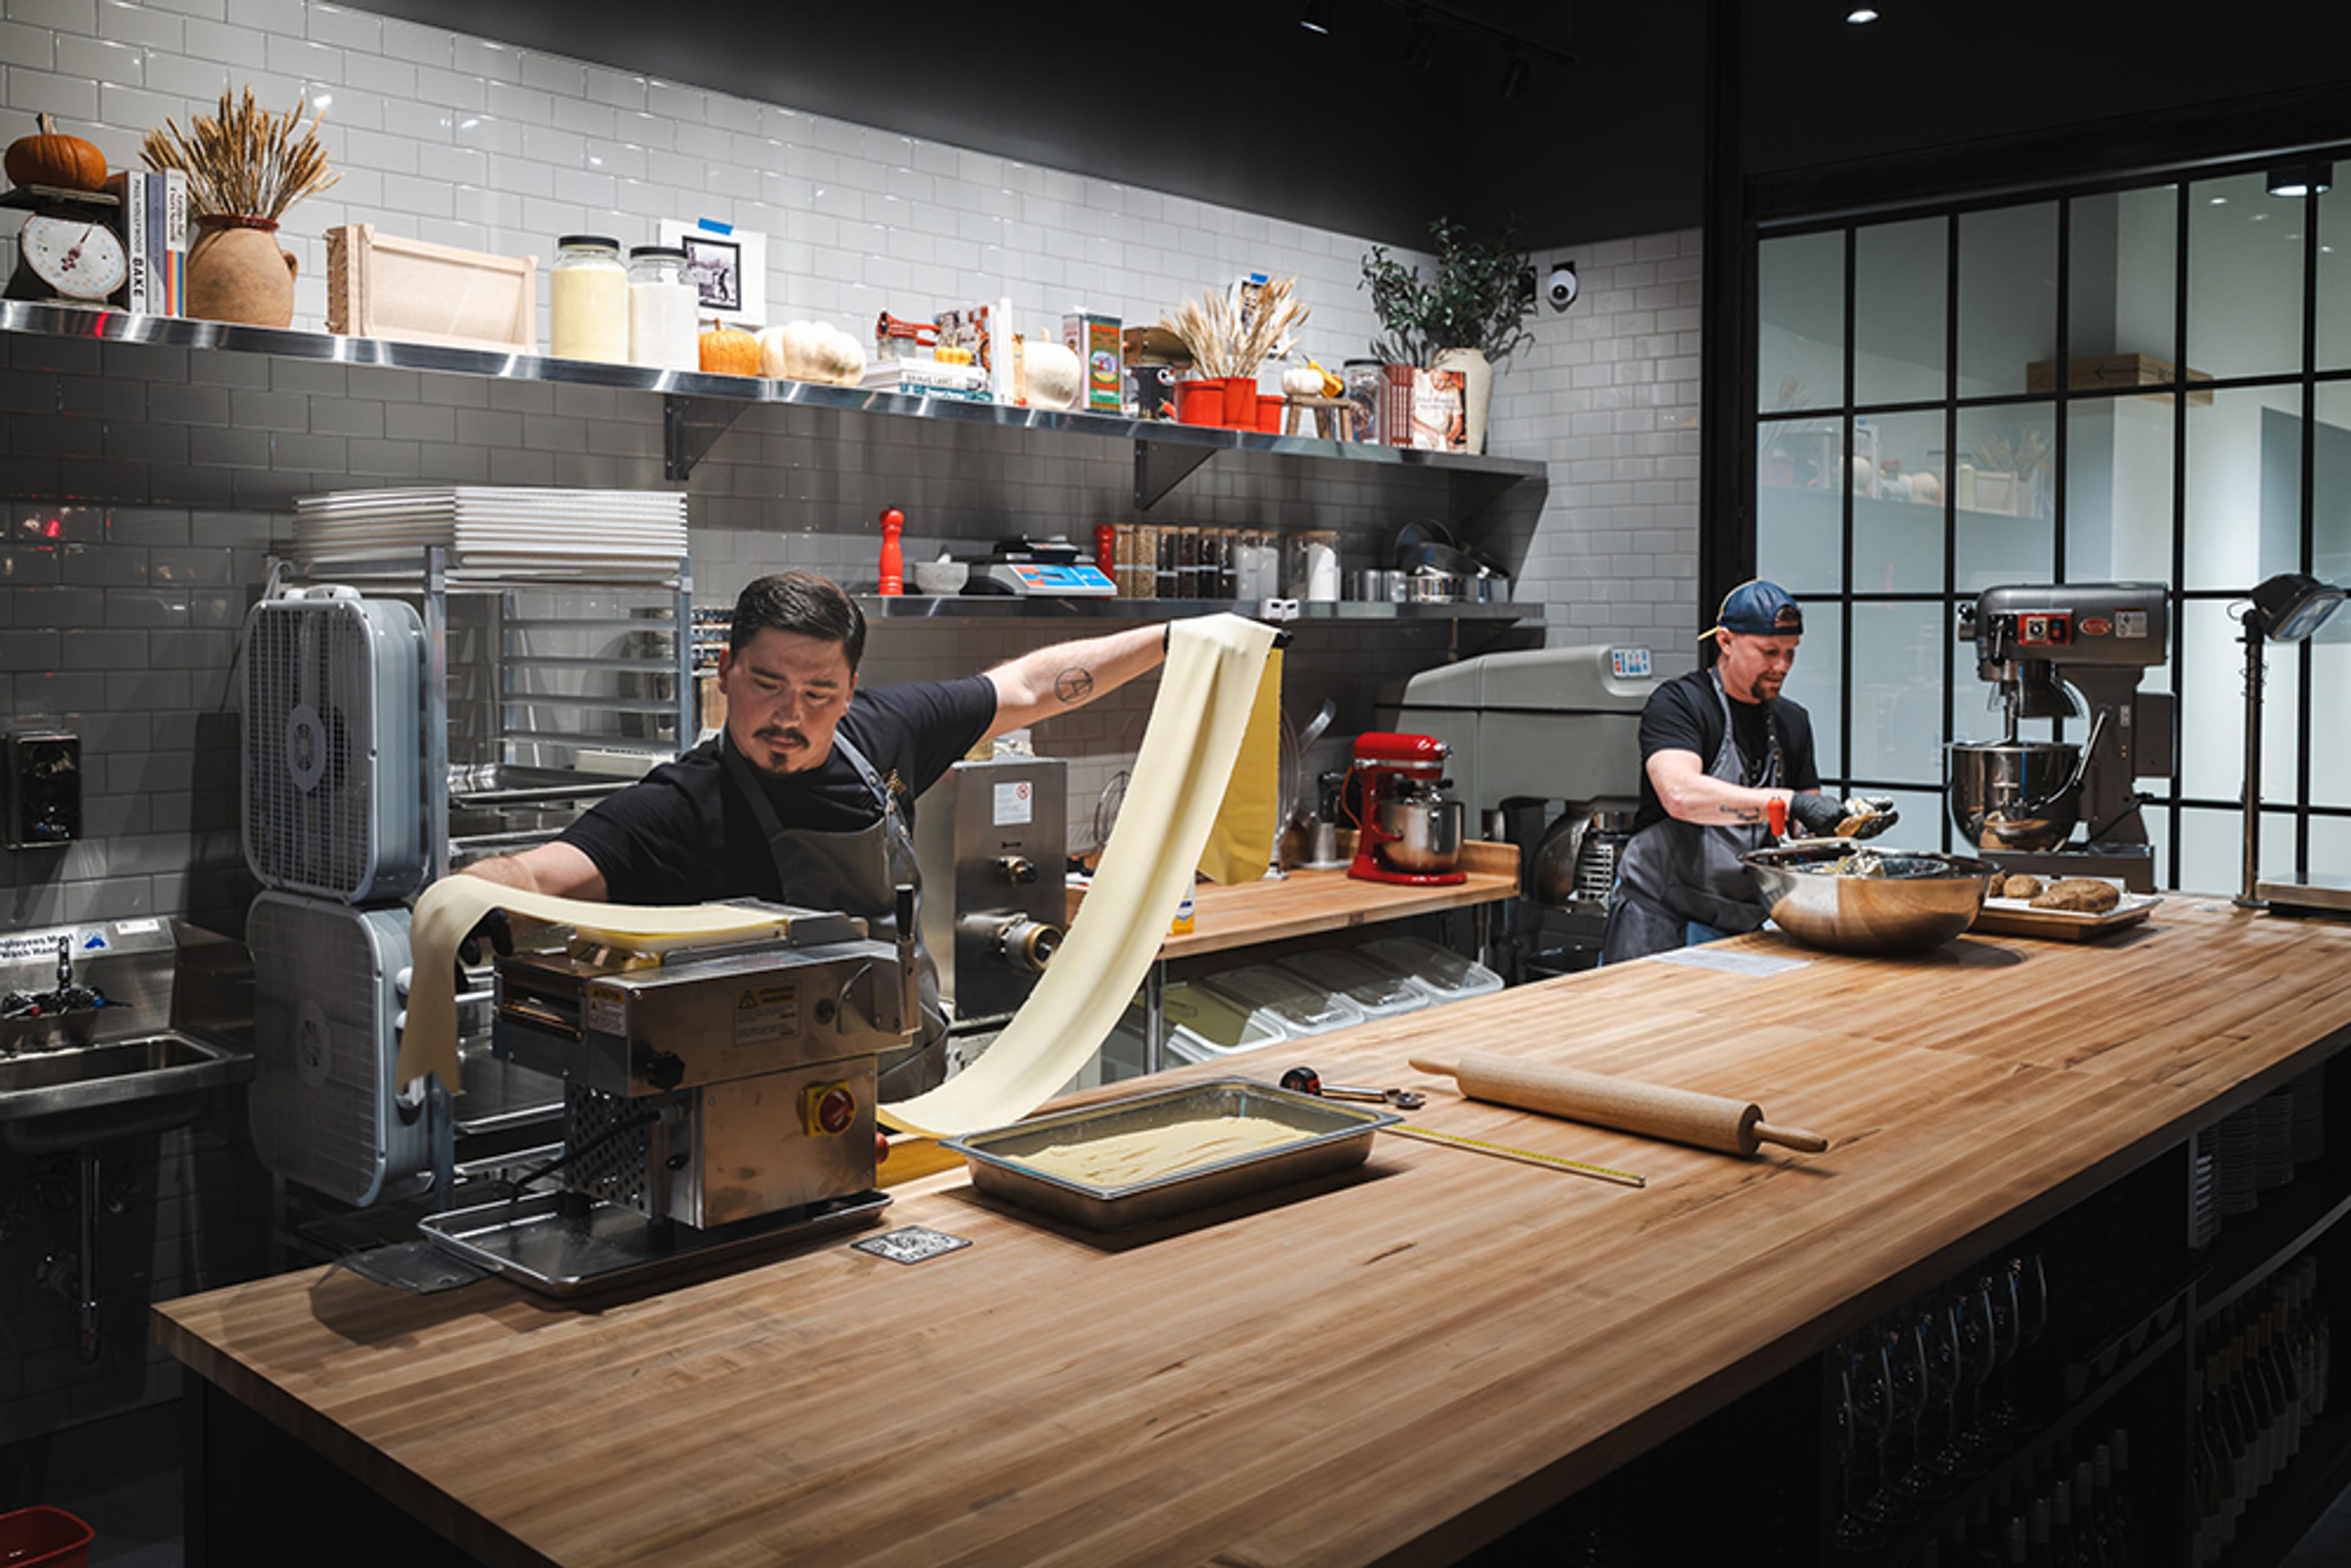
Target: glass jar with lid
x: 664, y: 311
x: 589, y: 300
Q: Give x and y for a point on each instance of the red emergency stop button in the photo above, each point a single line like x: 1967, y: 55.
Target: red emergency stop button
x: 828, y: 1109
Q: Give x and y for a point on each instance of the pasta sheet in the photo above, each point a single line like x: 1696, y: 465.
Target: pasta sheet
x: 1205, y: 698
x: 454, y: 905
x: 1127, y: 1157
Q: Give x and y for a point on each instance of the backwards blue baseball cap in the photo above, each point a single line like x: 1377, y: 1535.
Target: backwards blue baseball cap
x: 1759, y: 608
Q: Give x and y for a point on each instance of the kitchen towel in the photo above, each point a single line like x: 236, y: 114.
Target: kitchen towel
x: 1242, y: 842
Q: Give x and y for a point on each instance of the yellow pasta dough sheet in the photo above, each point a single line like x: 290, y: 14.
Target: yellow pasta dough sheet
x: 456, y: 905
x: 1123, y: 1159
x: 1206, y: 697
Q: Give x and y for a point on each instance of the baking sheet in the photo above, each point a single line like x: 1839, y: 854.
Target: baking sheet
x: 2017, y: 917
x: 1331, y: 1136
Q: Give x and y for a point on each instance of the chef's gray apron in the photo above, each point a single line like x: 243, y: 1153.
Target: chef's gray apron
x: 1673, y: 875
x: 858, y: 873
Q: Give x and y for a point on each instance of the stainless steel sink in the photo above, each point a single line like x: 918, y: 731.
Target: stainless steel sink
x: 83, y: 1093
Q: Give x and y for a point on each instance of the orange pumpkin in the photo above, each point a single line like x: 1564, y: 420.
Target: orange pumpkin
x: 52, y: 158
x: 729, y: 351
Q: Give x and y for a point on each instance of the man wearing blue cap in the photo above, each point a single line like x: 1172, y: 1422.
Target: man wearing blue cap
x: 1727, y: 765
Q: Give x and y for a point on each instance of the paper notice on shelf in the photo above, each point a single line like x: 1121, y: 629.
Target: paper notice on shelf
x: 1755, y: 964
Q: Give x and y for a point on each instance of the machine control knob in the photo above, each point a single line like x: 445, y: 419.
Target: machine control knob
x: 661, y: 1069
x: 828, y: 1110
x: 1028, y: 944
x: 1019, y: 870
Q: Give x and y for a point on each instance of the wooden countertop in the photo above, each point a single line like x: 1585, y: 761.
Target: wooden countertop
x: 1391, y: 1367
x: 1307, y: 902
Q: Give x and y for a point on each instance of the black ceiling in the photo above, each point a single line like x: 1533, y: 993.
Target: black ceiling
x: 1238, y: 104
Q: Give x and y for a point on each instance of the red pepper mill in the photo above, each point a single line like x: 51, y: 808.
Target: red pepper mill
x: 1106, y: 549
x: 894, y: 558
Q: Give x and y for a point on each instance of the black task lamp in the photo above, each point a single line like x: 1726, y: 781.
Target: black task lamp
x: 2285, y: 610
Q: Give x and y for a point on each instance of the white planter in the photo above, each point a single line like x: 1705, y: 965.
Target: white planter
x: 1477, y: 388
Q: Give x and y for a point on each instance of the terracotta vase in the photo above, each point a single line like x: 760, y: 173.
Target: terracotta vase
x: 236, y: 273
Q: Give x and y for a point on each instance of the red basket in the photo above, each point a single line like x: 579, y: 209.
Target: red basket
x: 49, y: 1537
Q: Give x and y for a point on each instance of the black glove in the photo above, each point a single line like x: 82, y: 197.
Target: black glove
x: 494, y: 925
x: 1866, y: 816
x: 1813, y: 816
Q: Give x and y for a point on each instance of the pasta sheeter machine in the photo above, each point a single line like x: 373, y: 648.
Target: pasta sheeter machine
x: 719, y: 1095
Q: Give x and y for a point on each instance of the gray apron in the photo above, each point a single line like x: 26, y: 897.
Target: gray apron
x: 1674, y: 874
x: 858, y: 873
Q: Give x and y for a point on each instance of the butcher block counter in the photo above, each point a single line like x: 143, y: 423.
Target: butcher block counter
x: 1393, y: 1366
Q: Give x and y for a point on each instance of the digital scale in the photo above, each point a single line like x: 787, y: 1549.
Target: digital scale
x: 1039, y: 569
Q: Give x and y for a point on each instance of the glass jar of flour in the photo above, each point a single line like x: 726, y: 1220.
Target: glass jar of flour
x: 663, y: 307
x: 589, y: 300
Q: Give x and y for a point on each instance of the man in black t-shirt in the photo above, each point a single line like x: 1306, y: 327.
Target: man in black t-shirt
x: 806, y: 795
x: 1726, y: 765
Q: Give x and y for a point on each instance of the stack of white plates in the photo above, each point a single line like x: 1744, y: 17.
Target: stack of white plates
x: 2310, y: 1116
x: 493, y: 528
x: 2235, y: 1142
x: 2274, y: 1137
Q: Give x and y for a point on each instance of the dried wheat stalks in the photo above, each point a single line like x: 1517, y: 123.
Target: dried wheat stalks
x: 244, y: 164
x: 1227, y: 340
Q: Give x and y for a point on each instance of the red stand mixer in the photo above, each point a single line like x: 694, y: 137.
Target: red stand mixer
x: 1407, y: 832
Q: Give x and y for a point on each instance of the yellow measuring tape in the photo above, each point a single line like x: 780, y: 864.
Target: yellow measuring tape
x: 1503, y: 1150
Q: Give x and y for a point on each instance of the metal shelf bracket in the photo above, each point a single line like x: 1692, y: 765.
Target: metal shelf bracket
x: 1160, y: 466
x: 691, y: 426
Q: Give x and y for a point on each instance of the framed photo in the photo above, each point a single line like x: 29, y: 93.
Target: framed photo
x: 728, y: 266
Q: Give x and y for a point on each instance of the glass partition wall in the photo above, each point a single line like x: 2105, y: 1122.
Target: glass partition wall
x: 1955, y: 398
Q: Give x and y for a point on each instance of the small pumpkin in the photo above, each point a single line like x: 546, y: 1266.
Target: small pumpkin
x: 729, y: 351
x: 53, y: 158
x: 1302, y: 381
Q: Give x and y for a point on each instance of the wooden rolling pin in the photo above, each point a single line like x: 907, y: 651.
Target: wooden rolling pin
x: 1707, y: 1121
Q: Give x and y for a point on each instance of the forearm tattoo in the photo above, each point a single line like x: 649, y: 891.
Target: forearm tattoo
x: 1073, y: 685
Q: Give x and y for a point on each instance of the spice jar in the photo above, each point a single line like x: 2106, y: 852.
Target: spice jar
x: 589, y: 300
x: 663, y: 305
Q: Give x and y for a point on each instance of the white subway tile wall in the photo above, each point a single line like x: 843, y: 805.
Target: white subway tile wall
x: 144, y: 487
x: 1607, y: 395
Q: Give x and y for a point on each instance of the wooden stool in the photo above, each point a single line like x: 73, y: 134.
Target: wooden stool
x: 1335, y: 417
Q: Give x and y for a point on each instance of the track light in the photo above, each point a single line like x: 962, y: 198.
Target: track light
x: 1319, y: 15
x: 1514, y: 75
x: 2302, y: 179
x: 1861, y: 15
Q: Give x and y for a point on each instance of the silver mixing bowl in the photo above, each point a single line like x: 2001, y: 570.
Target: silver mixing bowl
x: 1428, y: 834
x: 2006, y: 797
x: 1895, y: 914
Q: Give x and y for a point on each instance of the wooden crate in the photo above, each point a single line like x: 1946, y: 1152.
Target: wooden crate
x: 2105, y: 372
x: 414, y: 291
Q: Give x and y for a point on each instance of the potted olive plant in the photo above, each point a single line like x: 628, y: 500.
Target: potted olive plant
x: 1469, y: 314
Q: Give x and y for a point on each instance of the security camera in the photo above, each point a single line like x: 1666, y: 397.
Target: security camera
x: 1563, y: 286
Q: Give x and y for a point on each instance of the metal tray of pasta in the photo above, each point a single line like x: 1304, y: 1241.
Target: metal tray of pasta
x: 1130, y: 1161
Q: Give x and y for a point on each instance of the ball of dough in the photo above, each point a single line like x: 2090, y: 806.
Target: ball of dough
x: 1056, y: 379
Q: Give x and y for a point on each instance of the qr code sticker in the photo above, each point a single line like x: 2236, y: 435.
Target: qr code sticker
x: 911, y: 1244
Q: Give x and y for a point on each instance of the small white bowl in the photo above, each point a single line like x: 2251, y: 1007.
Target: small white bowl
x: 941, y: 576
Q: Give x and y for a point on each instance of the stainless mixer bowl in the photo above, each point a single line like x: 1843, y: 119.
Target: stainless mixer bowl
x: 2013, y: 797
x: 1926, y: 901
x: 1427, y: 834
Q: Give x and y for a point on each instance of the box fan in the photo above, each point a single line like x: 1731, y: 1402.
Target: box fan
x: 335, y: 794
x: 324, y: 1109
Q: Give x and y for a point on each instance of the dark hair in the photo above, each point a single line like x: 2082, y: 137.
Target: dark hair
x: 801, y: 602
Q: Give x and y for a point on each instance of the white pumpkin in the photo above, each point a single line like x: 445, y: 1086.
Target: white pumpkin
x: 811, y: 351
x: 835, y: 357
x: 1056, y: 378
x: 1301, y: 380
x: 783, y: 350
